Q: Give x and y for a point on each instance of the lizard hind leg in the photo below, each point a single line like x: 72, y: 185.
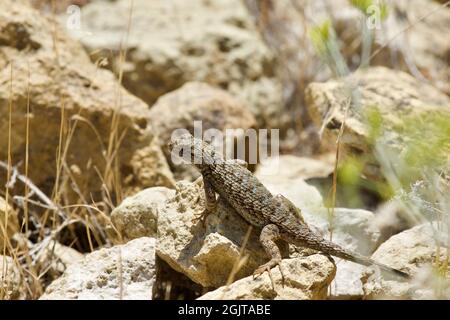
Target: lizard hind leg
x: 269, y: 235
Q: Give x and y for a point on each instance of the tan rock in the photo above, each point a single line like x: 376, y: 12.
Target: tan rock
x: 121, y: 272
x: 9, y: 223
x: 395, y: 94
x: 353, y: 229
x: 293, y: 167
x: 171, y: 44
x: 12, y: 286
x: 137, y: 216
x: 64, y: 84
x: 196, y: 101
x: 206, y: 254
x: 306, y: 278
x: 414, y: 251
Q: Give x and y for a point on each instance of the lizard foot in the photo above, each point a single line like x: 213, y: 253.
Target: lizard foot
x: 267, y: 267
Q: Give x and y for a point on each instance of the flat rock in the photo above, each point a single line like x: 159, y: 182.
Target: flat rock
x: 414, y: 251
x: 306, y: 278
x: 137, y: 216
x: 121, y: 272
x: 293, y: 167
x: 174, y: 43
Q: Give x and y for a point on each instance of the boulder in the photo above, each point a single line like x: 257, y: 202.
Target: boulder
x: 196, y: 101
x: 137, y: 216
x: 74, y: 107
x: 305, y: 278
x: 170, y: 44
x: 395, y: 96
x: 208, y: 253
x: 415, y: 251
x: 121, y: 272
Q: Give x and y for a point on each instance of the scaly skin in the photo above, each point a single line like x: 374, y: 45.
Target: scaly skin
x: 276, y: 216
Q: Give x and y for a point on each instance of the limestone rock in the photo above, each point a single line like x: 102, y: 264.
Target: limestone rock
x: 137, y: 216
x: 8, y: 219
x: 181, y: 41
x: 65, y: 86
x: 414, y: 251
x: 305, y: 278
x: 121, y: 272
x: 12, y: 286
x: 196, y: 101
x: 206, y: 254
x: 293, y: 167
x: 353, y: 229
x: 396, y: 95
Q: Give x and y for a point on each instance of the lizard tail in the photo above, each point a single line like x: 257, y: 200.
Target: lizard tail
x: 337, y: 251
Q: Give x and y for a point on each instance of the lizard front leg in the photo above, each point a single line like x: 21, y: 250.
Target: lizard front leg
x: 210, y: 201
x: 269, y: 235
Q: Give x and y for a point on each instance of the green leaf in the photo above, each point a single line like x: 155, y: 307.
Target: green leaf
x: 320, y: 36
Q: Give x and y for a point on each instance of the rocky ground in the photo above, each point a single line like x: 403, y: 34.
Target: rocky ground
x: 92, y: 207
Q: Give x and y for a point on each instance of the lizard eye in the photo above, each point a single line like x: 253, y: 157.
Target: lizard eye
x: 180, y: 153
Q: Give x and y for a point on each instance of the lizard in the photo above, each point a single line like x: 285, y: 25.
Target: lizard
x: 276, y: 216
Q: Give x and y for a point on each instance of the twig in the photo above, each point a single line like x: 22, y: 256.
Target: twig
x: 35, y: 189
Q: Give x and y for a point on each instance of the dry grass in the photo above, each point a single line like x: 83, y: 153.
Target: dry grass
x: 78, y: 222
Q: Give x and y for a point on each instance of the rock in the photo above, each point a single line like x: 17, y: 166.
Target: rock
x: 395, y: 94
x: 171, y: 44
x: 283, y: 178
x: 306, y: 278
x: 8, y: 219
x: 293, y: 167
x: 206, y: 254
x: 353, y: 229
x: 212, y: 109
x: 137, y: 216
x: 196, y: 101
x: 65, y: 86
x: 121, y: 272
x: 56, y: 258
x: 59, y: 6
x: 12, y: 286
x: 423, y: 50
x: 390, y: 219
x: 415, y: 252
